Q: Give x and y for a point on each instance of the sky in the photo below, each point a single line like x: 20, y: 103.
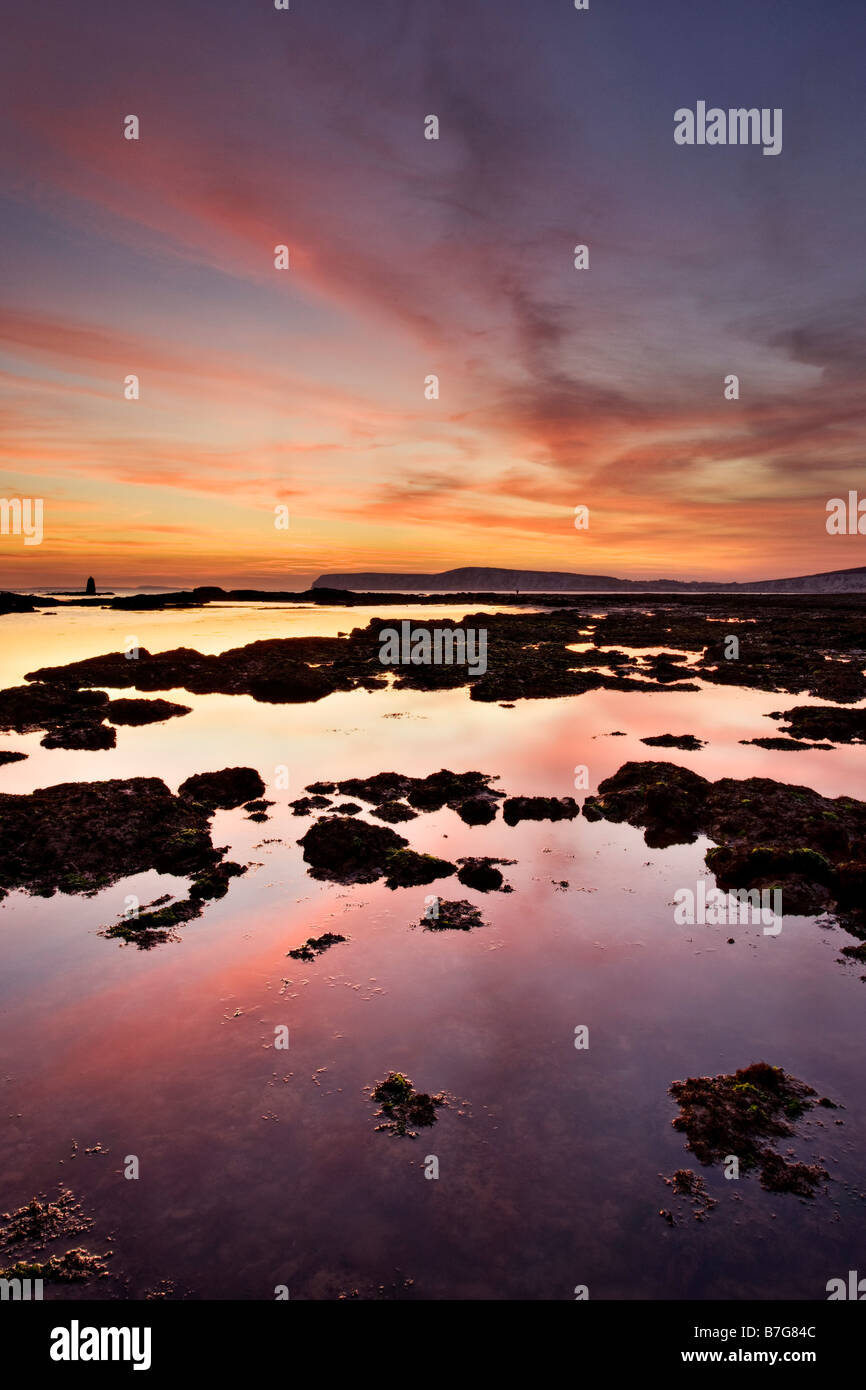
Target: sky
x: 304, y: 388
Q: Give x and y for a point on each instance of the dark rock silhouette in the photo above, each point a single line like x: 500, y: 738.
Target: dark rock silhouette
x: 90, y: 586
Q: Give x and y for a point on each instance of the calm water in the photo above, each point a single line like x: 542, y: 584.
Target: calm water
x: 263, y: 1167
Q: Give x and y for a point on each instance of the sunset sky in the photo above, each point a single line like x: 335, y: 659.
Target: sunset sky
x: 409, y: 257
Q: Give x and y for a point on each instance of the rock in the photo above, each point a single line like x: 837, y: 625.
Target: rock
x: 768, y: 834
x: 17, y: 603
x: 394, y: 812
x: 7, y: 756
x: 42, y: 1220
x: 75, y: 718
x: 384, y: 786
x: 780, y: 1174
x: 25, y: 709
x: 315, y: 945
x: 443, y: 915
x: 664, y: 667
x: 214, y: 882
x: 77, y: 837
x: 806, y: 877
x: 137, y: 712
x: 446, y: 788
x: 687, y: 742
x: 786, y: 745
x: 402, y: 1106
x: 481, y: 874
x: 739, y: 1114
x: 90, y: 736
x: 793, y: 643
x: 305, y: 805
x: 90, y: 586
x: 825, y: 722
x: 291, y: 687
x: 389, y: 790
x: 224, y: 790
x: 406, y: 869
x: 349, y: 851
x: 477, y: 810
x: 667, y: 800
x: 153, y: 928
x: 518, y: 808
x: 685, y: 1183
x: 284, y: 670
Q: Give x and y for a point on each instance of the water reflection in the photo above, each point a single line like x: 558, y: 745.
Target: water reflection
x: 262, y: 1167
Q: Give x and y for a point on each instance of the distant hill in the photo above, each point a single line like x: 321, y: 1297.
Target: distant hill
x: 471, y: 578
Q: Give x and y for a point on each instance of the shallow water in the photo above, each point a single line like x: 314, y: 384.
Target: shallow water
x: 263, y: 1167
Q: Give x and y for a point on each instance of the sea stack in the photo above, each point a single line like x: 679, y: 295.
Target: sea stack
x: 90, y: 587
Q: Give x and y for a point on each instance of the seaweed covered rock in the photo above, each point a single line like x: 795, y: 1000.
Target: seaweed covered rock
x: 518, y: 808
x: 687, y: 742
x: 76, y: 718
x: 403, y: 1109
x: 786, y: 745
x: 452, y: 789
x: 482, y: 874
x: 294, y: 686
x: 807, y: 878
x: 382, y: 786
x: 667, y: 668
x: 349, y: 851
x: 743, y: 1114
x: 689, y: 1187
x: 774, y: 655
x: 26, y: 1232
x: 275, y: 670
x: 393, y: 812
x: 24, y: 709
x: 137, y: 712
x: 443, y: 915
x: 539, y: 670
x: 89, y: 735
x: 43, y: 1219
x: 825, y: 722
x: 214, y: 882
x: 390, y: 790
x: 77, y: 837
x: 668, y: 801
x: 306, y: 805
x: 768, y: 834
x: 156, y: 924
x: 406, y: 869
x: 70, y: 1267
x: 787, y: 642
x: 315, y: 945
x: 223, y: 790
x: 477, y: 810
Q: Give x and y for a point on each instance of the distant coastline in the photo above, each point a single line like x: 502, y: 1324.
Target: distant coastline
x: 489, y: 580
